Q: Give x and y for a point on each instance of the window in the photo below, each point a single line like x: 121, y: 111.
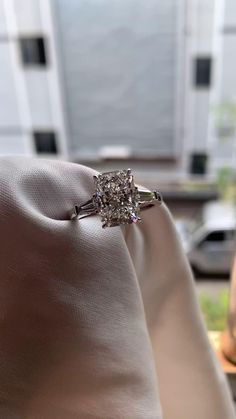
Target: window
x: 45, y: 142
x: 215, y: 236
x: 202, y: 72
x: 33, y: 51
x: 198, y: 163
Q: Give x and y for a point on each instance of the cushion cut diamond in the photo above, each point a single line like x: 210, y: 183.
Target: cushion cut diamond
x: 116, y: 198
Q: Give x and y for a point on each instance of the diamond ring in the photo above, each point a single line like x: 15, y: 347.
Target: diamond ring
x: 117, y: 199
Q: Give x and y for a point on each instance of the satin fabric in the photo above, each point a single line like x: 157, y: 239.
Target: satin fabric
x: 96, y: 323
x: 191, y: 382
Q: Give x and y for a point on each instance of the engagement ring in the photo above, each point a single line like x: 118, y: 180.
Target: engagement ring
x: 117, y: 199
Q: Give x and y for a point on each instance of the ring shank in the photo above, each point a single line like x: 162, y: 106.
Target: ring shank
x: 148, y: 197
x: 146, y: 200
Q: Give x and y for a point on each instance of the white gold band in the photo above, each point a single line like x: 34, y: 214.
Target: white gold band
x: 117, y: 199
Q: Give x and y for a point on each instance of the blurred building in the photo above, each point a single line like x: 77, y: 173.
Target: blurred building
x: 222, y: 141
x: 32, y: 119
x: 84, y: 80
x: 210, y: 66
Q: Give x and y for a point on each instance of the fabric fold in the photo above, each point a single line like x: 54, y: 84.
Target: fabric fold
x: 191, y: 382
x: 73, y: 336
x: 96, y: 323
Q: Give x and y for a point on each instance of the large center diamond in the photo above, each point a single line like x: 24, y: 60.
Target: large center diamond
x: 116, y: 198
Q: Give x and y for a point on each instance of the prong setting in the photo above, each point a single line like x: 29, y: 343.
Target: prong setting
x: 116, y: 198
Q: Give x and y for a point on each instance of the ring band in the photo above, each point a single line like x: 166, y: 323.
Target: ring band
x: 117, y: 199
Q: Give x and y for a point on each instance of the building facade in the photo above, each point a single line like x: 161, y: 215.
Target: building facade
x: 86, y: 79
x: 210, y: 63
x: 32, y: 119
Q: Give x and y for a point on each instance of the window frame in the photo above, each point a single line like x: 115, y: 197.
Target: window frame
x: 215, y: 232
x: 198, y: 73
x: 47, y: 132
x: 42, y: 50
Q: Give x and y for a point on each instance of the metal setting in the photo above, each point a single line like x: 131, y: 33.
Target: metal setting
x: 117, y: 199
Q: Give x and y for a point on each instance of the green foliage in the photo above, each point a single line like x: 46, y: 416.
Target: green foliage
x: 225, y: 118
x: 215, y: 310
x: 226, y: 179
x: 225, y: 112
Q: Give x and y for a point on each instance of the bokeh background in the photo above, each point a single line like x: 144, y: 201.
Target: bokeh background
x: 89, y: 80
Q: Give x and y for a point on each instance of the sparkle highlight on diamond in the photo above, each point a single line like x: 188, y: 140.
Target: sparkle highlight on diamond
x: 116, y: 198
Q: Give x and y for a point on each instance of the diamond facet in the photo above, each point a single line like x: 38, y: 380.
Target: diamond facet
x: 116, y: 198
